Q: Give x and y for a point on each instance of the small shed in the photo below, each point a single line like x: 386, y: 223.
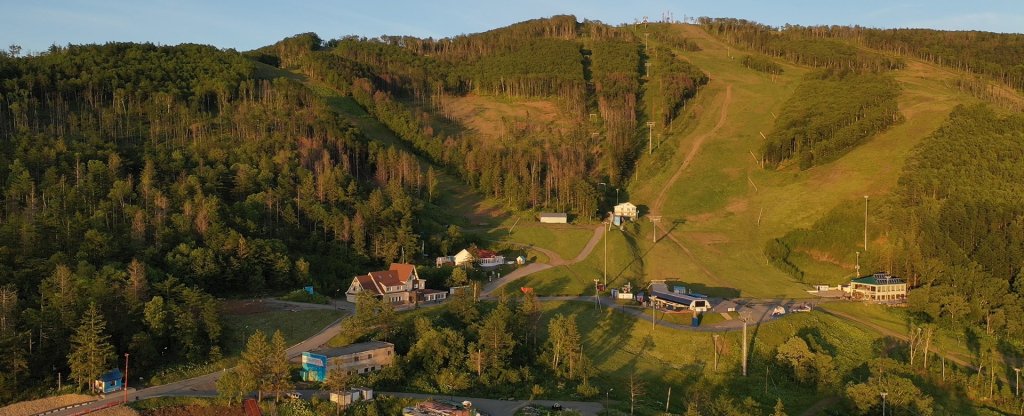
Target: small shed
x: 554, y: 218
x: 109, y: 382
x: 521, y: 260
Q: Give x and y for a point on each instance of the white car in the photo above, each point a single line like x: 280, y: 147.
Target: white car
x: 294, y: 395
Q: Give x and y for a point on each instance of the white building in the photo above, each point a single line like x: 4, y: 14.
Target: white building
x: 626, y: 210
x: 554, y: 218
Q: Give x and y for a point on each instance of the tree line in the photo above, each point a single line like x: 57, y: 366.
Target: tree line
x: 798, y: 45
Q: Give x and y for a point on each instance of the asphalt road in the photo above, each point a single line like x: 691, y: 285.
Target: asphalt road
x: 205, y: 385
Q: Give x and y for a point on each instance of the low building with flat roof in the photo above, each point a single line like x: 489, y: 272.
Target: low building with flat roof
x: 554, y: 218
x: 360, y: 358
x: 879, y: 287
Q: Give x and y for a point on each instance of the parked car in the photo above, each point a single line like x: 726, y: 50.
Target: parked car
x: 294, y: 395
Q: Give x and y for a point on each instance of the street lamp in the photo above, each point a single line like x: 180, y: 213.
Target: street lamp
x: 865, y: 223
x: 606, y: 399
x: 1017, y: 384
x: 125, y: 378
x: 883, y: 394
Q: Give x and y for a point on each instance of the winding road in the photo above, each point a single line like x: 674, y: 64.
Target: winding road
x: 554, y: 260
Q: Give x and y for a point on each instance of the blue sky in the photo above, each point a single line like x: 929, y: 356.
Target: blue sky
x: 245, y: 25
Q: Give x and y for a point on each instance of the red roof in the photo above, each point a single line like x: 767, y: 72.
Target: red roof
x: 485, y: 254
x: 376, y: 282
x: 404, y: 271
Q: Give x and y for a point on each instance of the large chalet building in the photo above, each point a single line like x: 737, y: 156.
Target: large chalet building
x: 399, y: 285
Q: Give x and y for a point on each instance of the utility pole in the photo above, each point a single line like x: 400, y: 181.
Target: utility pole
x: 597, y: 299
x: 606, y: 225
x: 865, y: 223
x: 745, y: 319
x: 655, y: 220
x: 645, y: 40
x: 883, y: 401
x: 650, y: 134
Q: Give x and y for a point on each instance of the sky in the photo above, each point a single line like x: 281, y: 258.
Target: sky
x: 245, y: 25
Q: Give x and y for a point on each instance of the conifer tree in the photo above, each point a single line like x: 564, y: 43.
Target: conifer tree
x: 91, y: 351
x: 255, y: 365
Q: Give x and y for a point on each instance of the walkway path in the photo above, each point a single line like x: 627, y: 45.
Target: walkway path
x: 553, y: 260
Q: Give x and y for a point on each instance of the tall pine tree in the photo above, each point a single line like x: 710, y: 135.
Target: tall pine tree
x: 91, y: 351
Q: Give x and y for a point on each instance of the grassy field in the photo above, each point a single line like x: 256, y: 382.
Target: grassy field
x: 295, y: 326
x: 565, y: 240
x: 621, y: 345
x: 898, y: 321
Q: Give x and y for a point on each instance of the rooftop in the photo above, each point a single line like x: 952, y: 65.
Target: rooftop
x: 880, y: 278
x: 677, y: 297
x: 111, y: 375
x: 554, y: 215
x: 353, y: 348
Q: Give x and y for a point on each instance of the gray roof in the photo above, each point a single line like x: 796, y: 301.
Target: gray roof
x: 353, y: 348
x: 677, y: 297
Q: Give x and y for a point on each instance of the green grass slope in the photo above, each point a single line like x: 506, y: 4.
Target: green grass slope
x: 726, y: 207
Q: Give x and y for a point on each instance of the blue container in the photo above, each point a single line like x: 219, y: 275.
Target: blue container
x: 695, y: 322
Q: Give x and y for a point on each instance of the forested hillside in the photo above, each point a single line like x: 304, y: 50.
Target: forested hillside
x: 401, y: 80
x: 144, y: 180
x: 830, y: 112
x: 958, y: 218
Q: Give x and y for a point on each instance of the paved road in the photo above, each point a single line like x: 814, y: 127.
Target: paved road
x: 204, y: 385
x: 759, y: 311
x: 553, y: 260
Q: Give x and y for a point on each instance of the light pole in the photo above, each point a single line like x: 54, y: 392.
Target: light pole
x: 883, y: 401
x: 605, y: 238
x: 865, y: 223
x: 125, y: 377
x: 606, y: 398
x: 616, y: 196
x: 650, y: 133
x: 1017, y: 384
x: 858, y: 264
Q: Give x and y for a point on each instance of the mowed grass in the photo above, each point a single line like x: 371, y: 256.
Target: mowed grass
x: 578, y: 279
x: 295, y: 326
x: 727, y: 207
x: 565, y: 240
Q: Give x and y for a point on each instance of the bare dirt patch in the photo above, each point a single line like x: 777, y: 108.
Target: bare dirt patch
x: 738, y: 205
x: 493, y: 118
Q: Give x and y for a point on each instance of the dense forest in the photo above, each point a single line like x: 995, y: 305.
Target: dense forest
x: 585, y: 67
x: 142, y: 181
x: 831, y: 112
